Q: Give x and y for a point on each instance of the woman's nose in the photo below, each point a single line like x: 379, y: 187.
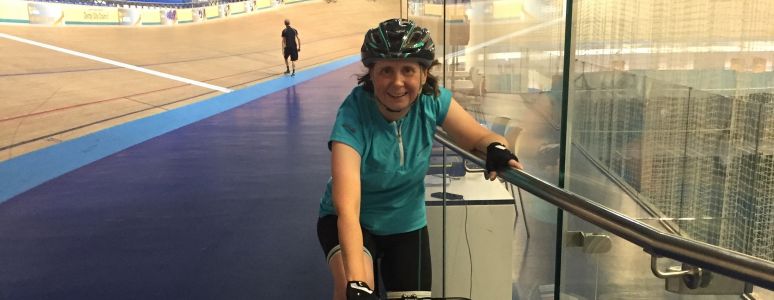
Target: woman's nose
x: 398, y: 79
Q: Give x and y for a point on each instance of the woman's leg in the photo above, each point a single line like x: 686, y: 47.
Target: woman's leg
x: 405, y: 262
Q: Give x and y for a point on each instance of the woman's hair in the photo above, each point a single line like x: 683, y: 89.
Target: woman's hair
x: 429, y: 88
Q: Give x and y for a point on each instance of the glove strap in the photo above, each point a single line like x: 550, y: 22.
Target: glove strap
x: 497, y: 146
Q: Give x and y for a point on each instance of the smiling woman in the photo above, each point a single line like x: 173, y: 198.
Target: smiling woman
x: 373, y: 210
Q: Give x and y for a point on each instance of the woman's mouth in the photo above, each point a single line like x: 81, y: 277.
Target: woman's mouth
x: 397, y: 96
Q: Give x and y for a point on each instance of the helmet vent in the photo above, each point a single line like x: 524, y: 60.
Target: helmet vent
x: 398, y: 39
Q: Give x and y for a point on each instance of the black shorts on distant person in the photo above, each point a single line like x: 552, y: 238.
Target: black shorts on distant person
x: 292, y: 53
x: 403, y: 259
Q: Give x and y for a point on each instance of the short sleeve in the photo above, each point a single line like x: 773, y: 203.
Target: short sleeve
x: 347, y: 128
x: 441, y: 106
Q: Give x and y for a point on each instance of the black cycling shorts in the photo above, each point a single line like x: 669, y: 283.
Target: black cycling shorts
x: 291, y: 52
x: 402, y: 260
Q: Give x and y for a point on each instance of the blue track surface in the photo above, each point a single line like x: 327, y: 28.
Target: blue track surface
x: 217, y: 200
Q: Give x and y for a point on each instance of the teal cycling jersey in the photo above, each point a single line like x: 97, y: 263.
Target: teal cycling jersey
x: 394, y: 159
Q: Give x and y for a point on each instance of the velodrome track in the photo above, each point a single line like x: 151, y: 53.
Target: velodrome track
x: 223, y: 207
x: 49, y: 96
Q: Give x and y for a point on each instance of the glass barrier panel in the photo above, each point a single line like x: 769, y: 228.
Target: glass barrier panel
x: 671, y: 124
x: 502, y: 61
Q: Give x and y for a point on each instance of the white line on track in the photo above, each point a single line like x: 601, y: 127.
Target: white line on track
x: 116, y: 63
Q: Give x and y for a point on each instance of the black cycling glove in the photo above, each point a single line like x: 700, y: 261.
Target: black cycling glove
x: 358, y: 290
x: 497, y: 157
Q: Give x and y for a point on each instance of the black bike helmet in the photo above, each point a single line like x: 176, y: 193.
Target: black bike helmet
x: 398, y: 39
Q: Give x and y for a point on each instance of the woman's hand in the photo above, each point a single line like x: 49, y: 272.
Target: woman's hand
x: 498, y: 158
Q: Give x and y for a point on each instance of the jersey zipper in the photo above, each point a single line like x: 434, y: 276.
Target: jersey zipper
x: 399, y: 135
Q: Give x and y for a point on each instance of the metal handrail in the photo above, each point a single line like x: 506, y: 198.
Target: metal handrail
x: 724, y: 261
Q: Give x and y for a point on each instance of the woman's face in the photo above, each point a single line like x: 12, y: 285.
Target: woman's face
x: 396, y: 85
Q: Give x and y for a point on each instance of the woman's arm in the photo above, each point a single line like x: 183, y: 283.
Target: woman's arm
x: 345, y: 169
x: 470, y: 135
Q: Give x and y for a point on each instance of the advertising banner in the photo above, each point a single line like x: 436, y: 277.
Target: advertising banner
x: 261, y: 4
x: 90, y: 15
x: 45, y: 13
x: 129, y: 16
x: 212, y: 12
x: 184, y: 15
x: 237, y: 8
x: 14, y: 12
x: 151, y: 17
x: 64, y: 14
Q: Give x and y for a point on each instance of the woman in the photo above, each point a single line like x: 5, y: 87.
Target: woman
x: 373, y: 207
